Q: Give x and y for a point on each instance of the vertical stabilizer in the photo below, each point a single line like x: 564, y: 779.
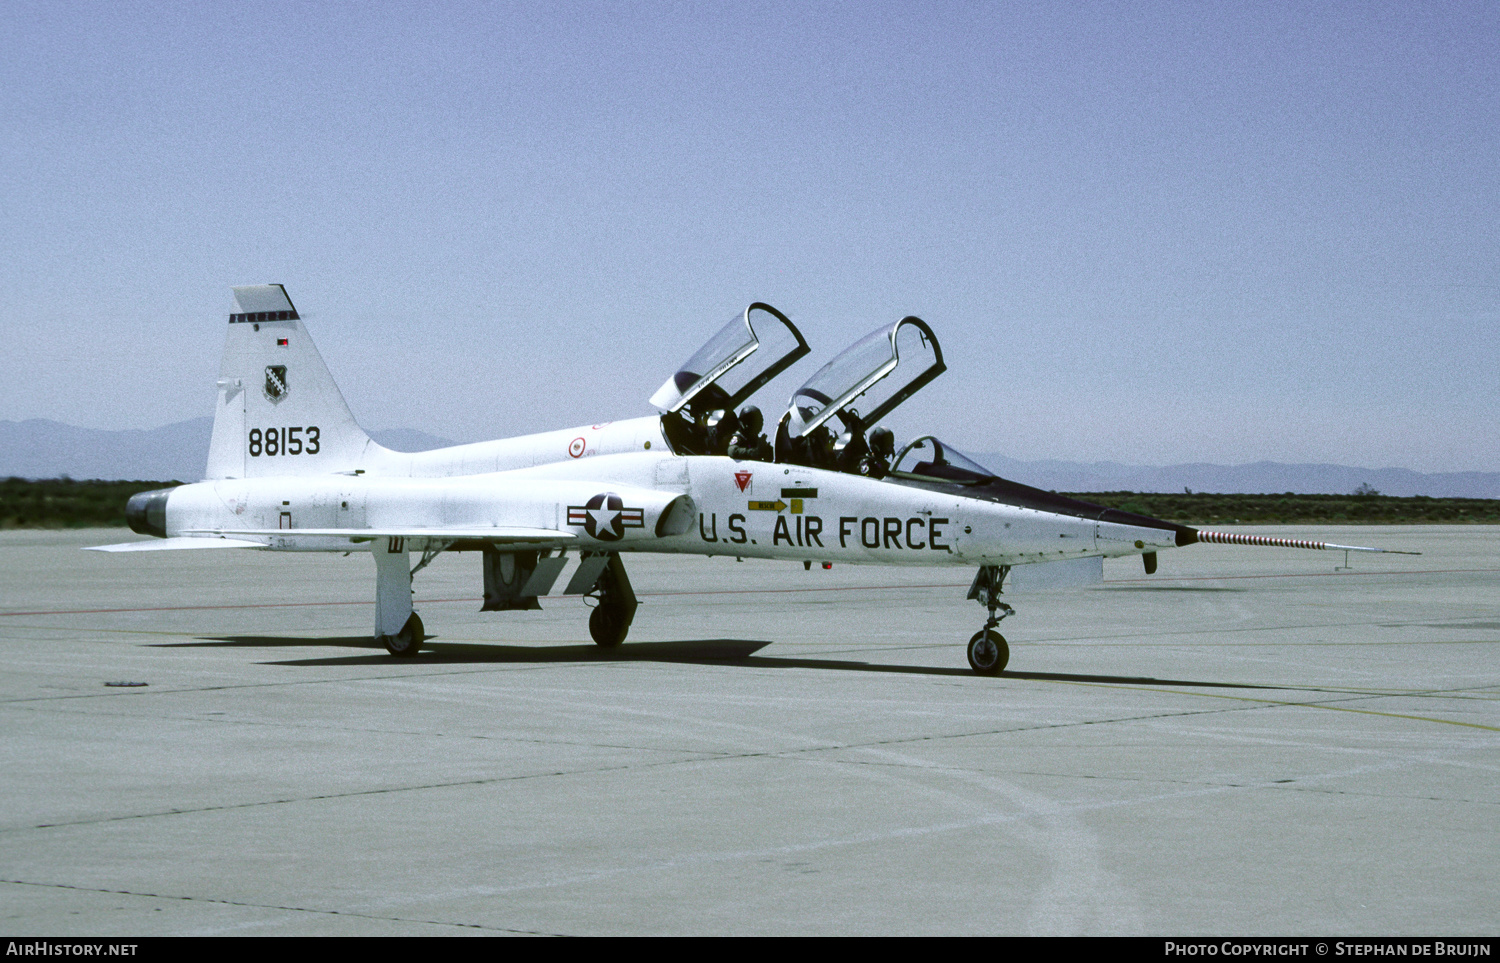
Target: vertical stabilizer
x: 279, y: 411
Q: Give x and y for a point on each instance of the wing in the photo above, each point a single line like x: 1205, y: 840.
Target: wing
x: 169, y: 544
x: 498, y: 535
x: 236, y: 538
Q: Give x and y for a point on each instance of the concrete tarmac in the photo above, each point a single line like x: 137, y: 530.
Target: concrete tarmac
x: 1247, y: 742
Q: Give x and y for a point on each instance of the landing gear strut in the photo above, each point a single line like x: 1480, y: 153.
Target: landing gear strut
x: 988, y: 652
x: 614, y: 607
x: 397, y: 627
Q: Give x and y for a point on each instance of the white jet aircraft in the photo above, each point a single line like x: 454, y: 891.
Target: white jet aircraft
x: 289, y: 470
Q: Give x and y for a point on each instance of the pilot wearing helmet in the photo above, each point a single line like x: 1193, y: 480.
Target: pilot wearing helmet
x: 722, y: 428
x: 851, y: 449
x: 748, y: 444
x: 877, y: 462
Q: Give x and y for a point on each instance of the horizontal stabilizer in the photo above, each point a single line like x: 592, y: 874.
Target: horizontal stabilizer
x: 169, y: 544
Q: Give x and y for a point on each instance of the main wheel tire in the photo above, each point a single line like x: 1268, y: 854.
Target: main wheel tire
x: 607, y: 626
x: 404, y: 644
x: 988, y: 652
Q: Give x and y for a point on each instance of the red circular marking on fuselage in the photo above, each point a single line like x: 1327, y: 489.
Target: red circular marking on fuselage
x: 576, y: 447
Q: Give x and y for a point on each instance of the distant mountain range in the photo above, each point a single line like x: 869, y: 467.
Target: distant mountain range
x: 1261, y: 477
x: 39, y: 448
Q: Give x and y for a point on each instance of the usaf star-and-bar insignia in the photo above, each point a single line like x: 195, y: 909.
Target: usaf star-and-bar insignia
x: 276, y: 387
x: 605, y: 517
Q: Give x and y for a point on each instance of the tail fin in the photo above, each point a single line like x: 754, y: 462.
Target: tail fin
x: 279, y: 411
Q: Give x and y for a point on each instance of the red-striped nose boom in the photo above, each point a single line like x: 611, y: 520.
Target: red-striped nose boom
x: 1233, y: 538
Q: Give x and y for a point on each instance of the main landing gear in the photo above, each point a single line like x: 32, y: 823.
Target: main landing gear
x: 404, y: 644
x: 397, y: 627
x: 988, y: 652
x: 600, y: 577
x: 614, y: 605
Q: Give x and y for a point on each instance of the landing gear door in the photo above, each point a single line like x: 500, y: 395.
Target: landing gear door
x: 869, y: 379
x: 722, y: 374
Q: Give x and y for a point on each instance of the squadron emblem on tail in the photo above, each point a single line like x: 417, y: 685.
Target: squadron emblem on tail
x: 276, y: 387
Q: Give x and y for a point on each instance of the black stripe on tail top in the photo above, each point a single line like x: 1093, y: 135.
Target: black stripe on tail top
x: 259, y: 316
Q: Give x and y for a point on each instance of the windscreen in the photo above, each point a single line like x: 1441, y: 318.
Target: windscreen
x: 931, y: 458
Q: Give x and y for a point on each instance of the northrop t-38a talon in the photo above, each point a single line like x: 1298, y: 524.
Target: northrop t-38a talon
x: 289, y: 470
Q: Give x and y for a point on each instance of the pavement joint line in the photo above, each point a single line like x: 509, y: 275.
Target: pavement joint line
x: 905, y: 832
x: 1230, y: 578
x: 164, y: 689
x: 721, y: 757
x: 484, y: 737
x: 1256, y: 702
x: 783, y: 591
x: 484, y: 669
x: 378, y: 791
x: 1297, y: 784
x: 1278, y: 702
x: 1133, y: 641
x: 273, y: 906
x: 1230, y: 630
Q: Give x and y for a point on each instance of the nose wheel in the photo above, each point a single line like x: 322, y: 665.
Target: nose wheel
x: 988, y: 652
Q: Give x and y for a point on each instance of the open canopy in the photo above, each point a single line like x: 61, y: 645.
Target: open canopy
x: 717, y: 375
x: 869, y: 379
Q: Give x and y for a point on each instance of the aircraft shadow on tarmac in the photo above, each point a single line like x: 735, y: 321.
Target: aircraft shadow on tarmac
x: 1171, y: 588
x: 691, y: 651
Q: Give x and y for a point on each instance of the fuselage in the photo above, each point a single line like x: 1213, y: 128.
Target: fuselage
x: 581, y: 444
x: 740, y: 508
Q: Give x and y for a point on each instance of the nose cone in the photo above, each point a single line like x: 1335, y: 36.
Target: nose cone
x: 146, y: 512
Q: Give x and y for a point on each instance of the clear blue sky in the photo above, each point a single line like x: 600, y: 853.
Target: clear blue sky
x: 1148, y: 233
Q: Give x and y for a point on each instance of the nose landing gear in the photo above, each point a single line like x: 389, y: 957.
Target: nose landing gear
x: 988, y: 651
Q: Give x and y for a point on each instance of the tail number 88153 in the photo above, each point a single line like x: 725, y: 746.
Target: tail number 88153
x: 284, y: 441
